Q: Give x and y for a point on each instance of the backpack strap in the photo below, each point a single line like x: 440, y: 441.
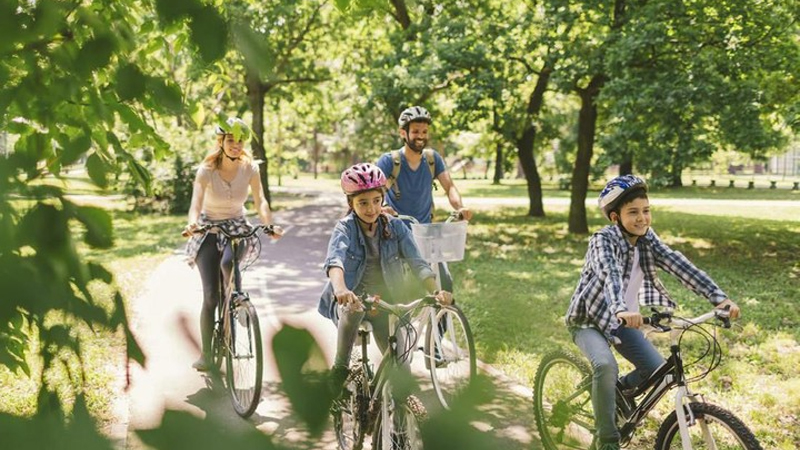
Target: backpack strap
x: 430, y: 158
x: 390, y: 180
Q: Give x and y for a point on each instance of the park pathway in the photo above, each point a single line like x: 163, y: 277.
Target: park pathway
x: 284, y: 286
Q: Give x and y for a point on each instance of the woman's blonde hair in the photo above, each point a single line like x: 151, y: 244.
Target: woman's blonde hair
x: 214, y: 159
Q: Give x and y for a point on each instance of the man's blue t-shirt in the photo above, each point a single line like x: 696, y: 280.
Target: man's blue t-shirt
x: 416, y: 195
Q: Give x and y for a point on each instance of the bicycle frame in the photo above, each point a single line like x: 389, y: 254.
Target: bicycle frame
x: 670, y: 375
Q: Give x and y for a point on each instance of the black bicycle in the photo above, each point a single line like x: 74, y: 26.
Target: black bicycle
x: 562, y: 402
x: 370, y: 404
x: 236, y: 339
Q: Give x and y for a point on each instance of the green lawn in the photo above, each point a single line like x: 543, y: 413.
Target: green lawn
x: 518, y: 188
x: 519, y: 274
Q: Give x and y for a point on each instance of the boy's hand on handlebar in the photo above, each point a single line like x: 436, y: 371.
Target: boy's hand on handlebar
x: 630, y: 319
x: 444, y: 297
x: 733, y: 308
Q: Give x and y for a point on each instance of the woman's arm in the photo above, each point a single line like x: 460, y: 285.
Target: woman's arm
x: 198, y: 193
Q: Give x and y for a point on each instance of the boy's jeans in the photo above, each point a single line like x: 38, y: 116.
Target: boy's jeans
x: 636, y: 349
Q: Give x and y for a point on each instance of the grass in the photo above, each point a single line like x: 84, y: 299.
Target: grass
x: 518, y: 188
x: 142, y: 242
x: 519, y: 274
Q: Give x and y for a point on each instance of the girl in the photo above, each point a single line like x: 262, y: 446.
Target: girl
x: 366, y: 254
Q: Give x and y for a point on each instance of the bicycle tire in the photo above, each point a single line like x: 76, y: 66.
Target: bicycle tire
x: 406, y: 436
x: 562, y: 402
x: 728, y: 431
x: 245, y: 359
x: 453, y: 364
x: 350, y: 412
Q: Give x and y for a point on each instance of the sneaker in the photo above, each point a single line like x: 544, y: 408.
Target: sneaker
x: 438, y: 360
x: 336, y: 378
x: 201, y: 365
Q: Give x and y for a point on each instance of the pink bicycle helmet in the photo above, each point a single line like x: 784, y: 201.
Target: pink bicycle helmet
x: 362, y: 177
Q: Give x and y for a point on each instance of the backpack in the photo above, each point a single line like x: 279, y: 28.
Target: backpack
x: 427, y: 155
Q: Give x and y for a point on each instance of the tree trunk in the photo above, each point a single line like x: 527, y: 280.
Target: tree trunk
x: 675, y: 172
x: 498, y: 163
x: 587, y: 121
x: 626, y: 166
x: 255, y: 97
x: 528, y: 163
x: 526, y: 143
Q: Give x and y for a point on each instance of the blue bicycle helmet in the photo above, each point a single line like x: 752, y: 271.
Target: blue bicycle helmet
x: 614, y: 191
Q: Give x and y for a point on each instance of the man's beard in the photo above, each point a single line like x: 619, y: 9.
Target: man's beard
x: 417, y: 148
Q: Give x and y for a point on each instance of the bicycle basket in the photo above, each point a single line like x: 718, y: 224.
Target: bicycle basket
x: 441, y: 242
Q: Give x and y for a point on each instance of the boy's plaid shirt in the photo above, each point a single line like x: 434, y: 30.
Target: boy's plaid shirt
x: 600, y: 294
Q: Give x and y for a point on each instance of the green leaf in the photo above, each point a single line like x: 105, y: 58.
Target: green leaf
x: 308, y: 392
x: 131, y: 83
x: 97, y: 170
x: 173, y: 10
x: 165, y: 94
x: 198, y: 114
x: 255, y: 48
x: 99, y: 230
x: 209, y: 33
x: 140, y: 174
x: 75, y: 148
x: 95, y: 54
x: 99, y: 272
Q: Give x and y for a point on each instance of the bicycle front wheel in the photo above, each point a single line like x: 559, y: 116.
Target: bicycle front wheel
x: 450, y: 354
x: 713, y: 428
x: 350, y: 412
x: 397, y: 427
x: 562, y: 402
x: 245, y: 358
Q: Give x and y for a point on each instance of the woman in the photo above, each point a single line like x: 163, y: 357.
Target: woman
x: 366, y: 254
x: 219, y: 195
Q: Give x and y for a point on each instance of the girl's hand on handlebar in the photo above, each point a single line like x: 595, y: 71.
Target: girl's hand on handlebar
x: 348, y: 299
x: 388, y: 210
x: 443, y: 297
x: 733, y: 308
x: 630, y: 319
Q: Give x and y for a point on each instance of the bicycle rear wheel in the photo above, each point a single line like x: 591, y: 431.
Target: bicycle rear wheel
x: 562, y: 402
x: 350, y: 412
x: 245, y: 359
x: 397, y: 427
x: 714, y: 428
x: 450, y: 354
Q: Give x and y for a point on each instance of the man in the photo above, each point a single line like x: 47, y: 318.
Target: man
x: 412, y: 170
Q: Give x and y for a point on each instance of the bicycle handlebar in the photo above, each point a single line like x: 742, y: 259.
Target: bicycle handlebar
x: 454, y: 216
x: 663, y: 322
x: 267, y: 229
x: 372, y: 303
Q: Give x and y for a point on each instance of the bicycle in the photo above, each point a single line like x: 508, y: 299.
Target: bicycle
x: 236, y: 338
x: 563, y: 409
x: 369, y: 404
x: 449, y: 352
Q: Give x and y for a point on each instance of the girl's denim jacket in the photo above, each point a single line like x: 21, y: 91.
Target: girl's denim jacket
x: 347, y: 249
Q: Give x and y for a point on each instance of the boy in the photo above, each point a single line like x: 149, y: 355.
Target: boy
x: 618, y: 275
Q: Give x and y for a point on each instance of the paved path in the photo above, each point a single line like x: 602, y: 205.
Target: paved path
x: 284, y: 285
